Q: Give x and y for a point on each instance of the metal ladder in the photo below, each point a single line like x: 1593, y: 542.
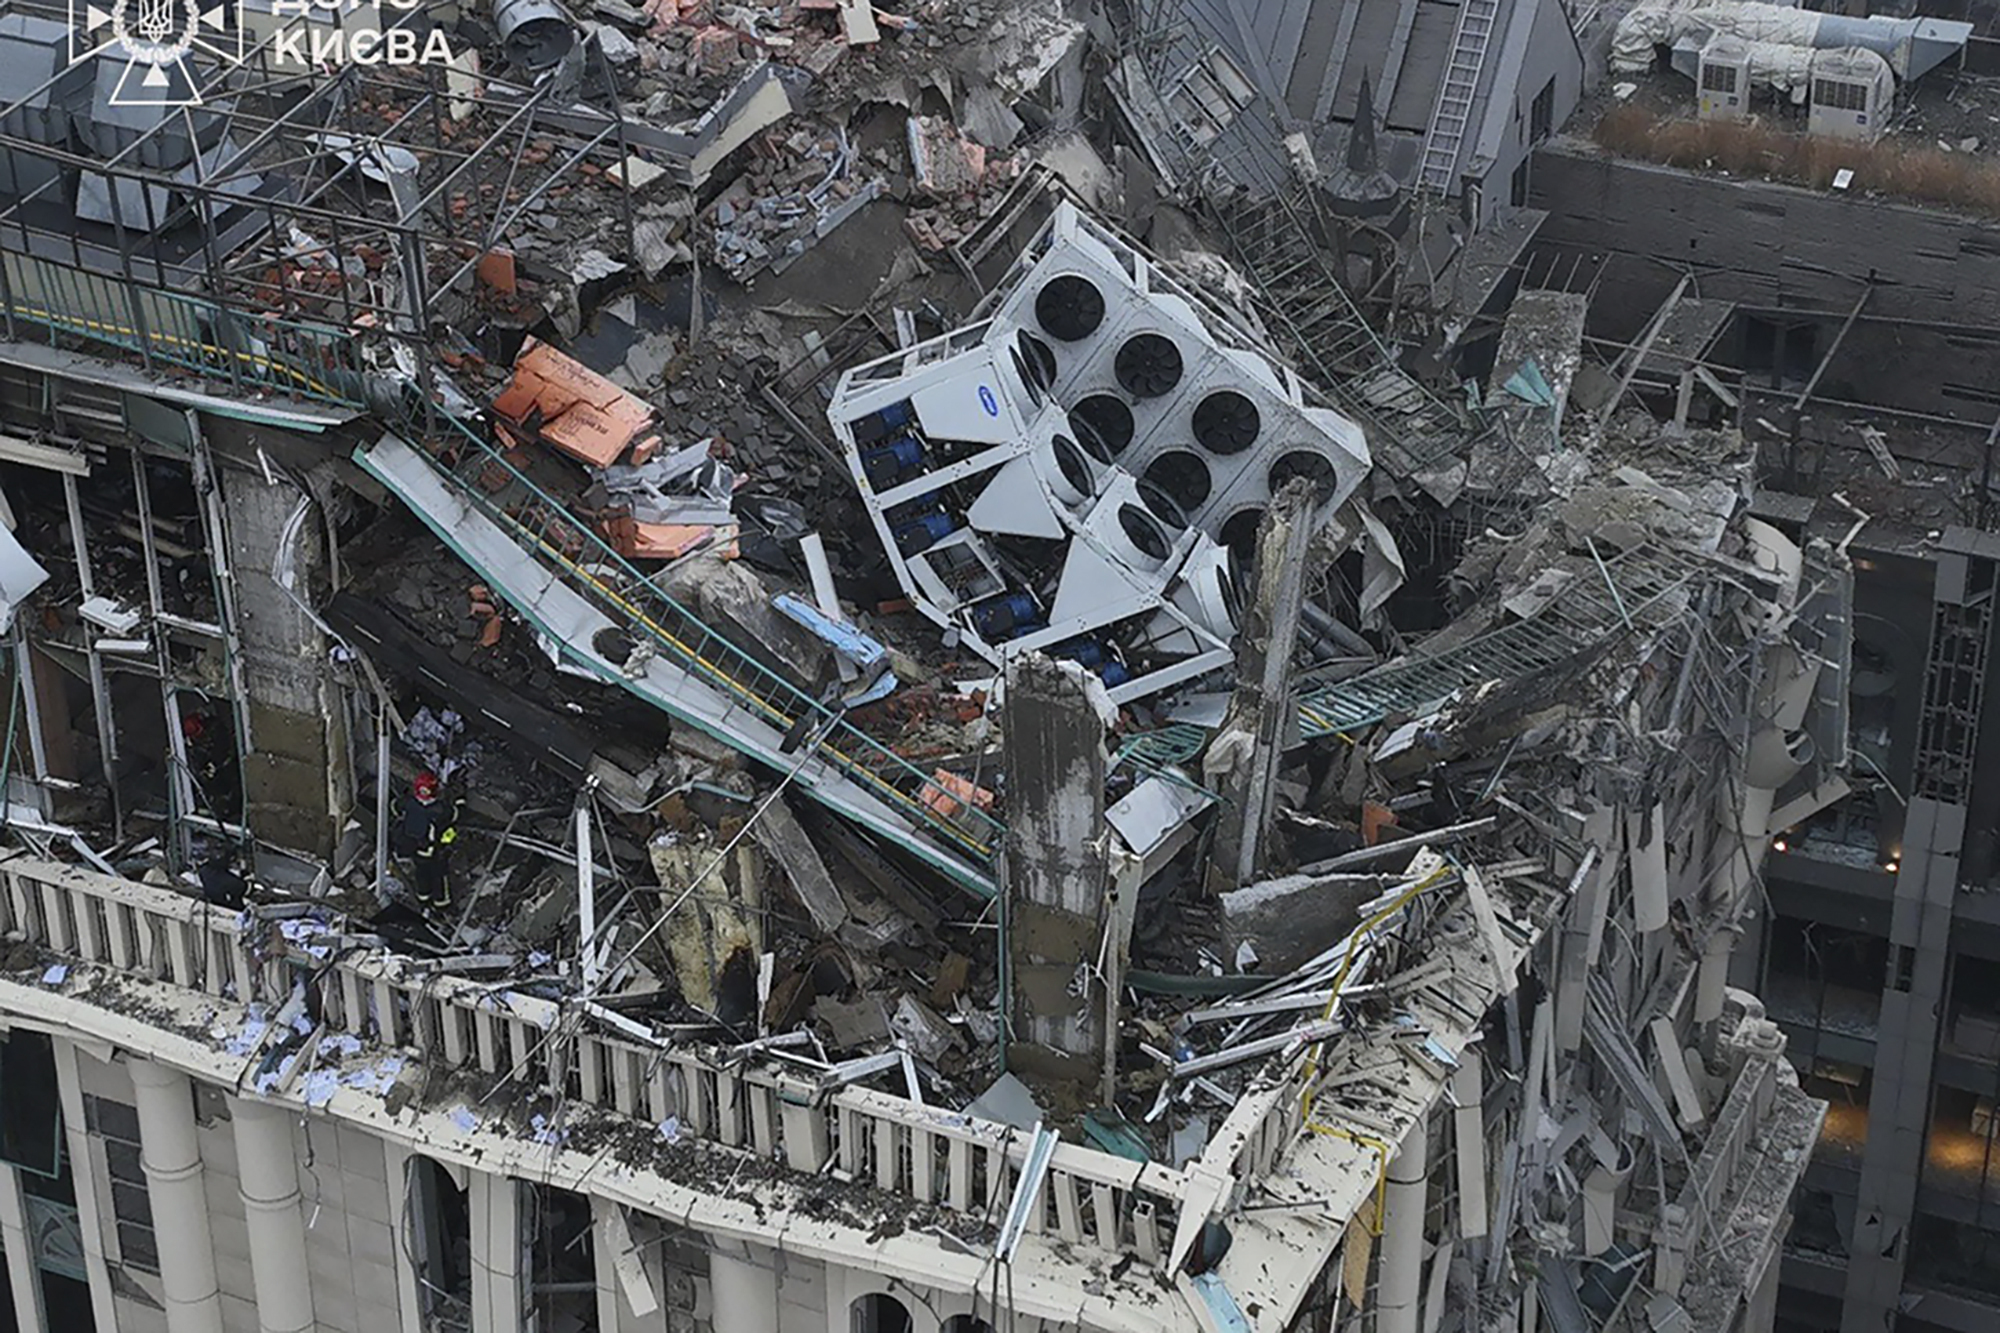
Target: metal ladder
x: 1273, y: 238
x: 1453, y: 111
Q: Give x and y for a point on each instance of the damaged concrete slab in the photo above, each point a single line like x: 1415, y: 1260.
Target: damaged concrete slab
x: 927, y: 668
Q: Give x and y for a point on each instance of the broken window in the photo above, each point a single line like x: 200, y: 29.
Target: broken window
x: 439, y: 1244
x: 116, y: 1127
x: 1824, y: 979
x: 209, y: 758
x: 966, y: 1323
x: 180, y: 541
x: 1845, y: 1088
x: 1542, y: 113
x: 30, y: 1118
x: 878, y: 1312
x: 563, y: 1290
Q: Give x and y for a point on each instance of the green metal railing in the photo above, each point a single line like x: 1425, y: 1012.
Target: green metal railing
x: 589, y: 566
x: 243, y: 350
x: 1630, y: 591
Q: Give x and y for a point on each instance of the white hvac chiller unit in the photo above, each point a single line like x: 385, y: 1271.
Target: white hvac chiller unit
x: 1070, y: 473
x: 1723, y: 79
x: 1853, y: 94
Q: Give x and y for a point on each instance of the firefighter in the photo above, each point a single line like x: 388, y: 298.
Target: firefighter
x: 215, y: 785
x: 222, y: 884
x: 425, y: 833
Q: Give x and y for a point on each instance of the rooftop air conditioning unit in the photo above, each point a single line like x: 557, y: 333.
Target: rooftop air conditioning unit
x: 1724, y: 80
x: 1853, y: 93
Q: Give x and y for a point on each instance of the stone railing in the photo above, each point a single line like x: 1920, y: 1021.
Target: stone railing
x: 1685, y: 1223
x: 922, y: 1153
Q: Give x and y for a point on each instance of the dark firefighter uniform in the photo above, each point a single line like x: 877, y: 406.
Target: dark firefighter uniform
x: 214, y: 772
x: 425, y: 832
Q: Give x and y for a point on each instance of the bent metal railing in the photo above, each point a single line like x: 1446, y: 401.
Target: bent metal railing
x: 245, y: 351
x: 775, y: 1112
x: 569, y: 547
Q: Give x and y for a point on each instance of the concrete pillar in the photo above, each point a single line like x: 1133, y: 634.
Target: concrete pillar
x: 499, y: 1303
x: 743, y: 1287
x: 21, y: 1272
x: 629, y: 1298
x: 1055, y: 875
x: 1762, y: 1314
x: 1399, y: 1284
x: 172, y: 1159
x: 1261, y: 709
x: 296, y: 779
x: 267, y: 1167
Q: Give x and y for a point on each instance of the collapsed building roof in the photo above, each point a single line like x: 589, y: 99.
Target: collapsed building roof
x: 987, y: 738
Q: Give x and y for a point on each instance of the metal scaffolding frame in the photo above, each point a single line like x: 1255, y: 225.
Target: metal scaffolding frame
x: 276, y: 220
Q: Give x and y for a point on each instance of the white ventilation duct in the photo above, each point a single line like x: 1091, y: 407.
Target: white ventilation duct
x: 1912, y: 46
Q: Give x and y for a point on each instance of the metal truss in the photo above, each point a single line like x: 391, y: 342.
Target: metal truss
x: 282, y: 214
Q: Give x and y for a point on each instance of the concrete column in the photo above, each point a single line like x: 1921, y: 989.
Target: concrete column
x: 267, y: 1167
x: 1399, y: 1284
x: 83, y: 1173
x: 1712, y: 980
x: 499, y: 1302
x: 1762, y: 1314
x: 629, y: 1299
x: 1261, y: 708
x: 296, y: 779
x: 1055, y: 876
x: 172, y: 1160
x: 21, y: 1273
x: 743, y: 1287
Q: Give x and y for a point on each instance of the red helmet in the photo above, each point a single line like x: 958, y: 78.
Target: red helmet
x: 193, y: 726
x: 426, y: 786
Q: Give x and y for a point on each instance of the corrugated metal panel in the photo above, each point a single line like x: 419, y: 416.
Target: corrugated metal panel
x: 1365, y: 53
x: 1315, y: 48
x: 1213, y: 22
x: 1278, y: 25
x: 1423, y: 67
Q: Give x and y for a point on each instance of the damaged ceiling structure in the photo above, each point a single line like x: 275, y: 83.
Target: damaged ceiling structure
x: 817, y: 667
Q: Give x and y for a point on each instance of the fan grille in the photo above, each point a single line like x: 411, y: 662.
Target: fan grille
x: 1181, y: 474
x: 1226, y: 422
x: 1103, y: 420
x: 1069, y: 308
x: 1315, y: 468
x: 1148, y: 365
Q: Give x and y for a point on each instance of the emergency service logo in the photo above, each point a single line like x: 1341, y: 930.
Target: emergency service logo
x: 158, y: 41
